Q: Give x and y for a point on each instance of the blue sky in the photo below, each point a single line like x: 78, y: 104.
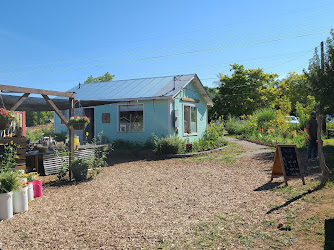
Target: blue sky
x: 57, y: 44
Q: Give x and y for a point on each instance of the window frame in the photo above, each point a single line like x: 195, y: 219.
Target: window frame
x: 117, y: 114
x: 184, y: 131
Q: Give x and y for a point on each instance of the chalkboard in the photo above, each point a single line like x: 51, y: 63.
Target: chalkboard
x: 290, y: 161
x: 286, y: 163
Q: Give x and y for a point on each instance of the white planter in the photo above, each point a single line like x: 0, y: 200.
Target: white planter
x: 6, y: 206
x: 30, y: 191
x: 20, y: 200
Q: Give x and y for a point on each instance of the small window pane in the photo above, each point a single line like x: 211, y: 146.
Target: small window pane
x: 186, y: 120
x: 193, y: 126
x: 131, y: 118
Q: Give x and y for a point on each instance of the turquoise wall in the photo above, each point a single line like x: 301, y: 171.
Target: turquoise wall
x: 158, y: 118
x: 155, y: 121
x: 190, y: 91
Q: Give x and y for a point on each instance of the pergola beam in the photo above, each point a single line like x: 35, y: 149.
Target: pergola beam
x: 17, y: 89
x: 20, y: 101
x: 61, y: 116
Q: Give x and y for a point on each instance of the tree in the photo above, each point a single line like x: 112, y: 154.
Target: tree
x: 295, y: 87
x: 244, y: 91
x: 321, y: 77
x: 104, y: 78
x: 37, y: 118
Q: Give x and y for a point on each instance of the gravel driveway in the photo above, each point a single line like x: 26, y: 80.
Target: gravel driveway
x: 139, y: 204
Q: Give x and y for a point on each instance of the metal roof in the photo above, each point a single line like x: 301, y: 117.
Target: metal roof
x: 136, y: 89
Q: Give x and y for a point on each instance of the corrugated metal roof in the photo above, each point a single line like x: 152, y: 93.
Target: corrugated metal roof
x: 142, y: 88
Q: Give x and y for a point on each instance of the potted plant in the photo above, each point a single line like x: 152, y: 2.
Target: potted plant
x: 9, y: 182
x: 31, y: 178
x: 79, y: 122
x: 6, y: 117
x: 79, y: 169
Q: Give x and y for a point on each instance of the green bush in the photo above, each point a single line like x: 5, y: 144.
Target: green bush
x: 61, y: 136
x: 170, y: 145
x: 204, y: 145
x: 236, y: 126
x: 79, y: 169
x: 9, y: 181
x: 263, y: 116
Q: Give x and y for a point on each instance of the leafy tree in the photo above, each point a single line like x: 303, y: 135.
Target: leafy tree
x: 244, y: 91
x: 104, y: 78
x: 37, y: 118
x: 295, y: 87
x: 322, y: 78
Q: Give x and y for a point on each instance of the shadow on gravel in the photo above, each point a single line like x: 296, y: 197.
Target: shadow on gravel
x: 268, y: 186
x: 57, y: 183
x: 268, y: 157
x: 294, y: 199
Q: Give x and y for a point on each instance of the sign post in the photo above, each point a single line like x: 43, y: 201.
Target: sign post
x: 286, y: 163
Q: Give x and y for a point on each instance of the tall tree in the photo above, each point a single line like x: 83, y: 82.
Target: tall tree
x: 34, y: 118
x: 244, y: 91
x: 107, y: 77
x: 321, y: 76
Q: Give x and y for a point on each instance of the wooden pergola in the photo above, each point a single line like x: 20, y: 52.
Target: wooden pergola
x: 45, y: 94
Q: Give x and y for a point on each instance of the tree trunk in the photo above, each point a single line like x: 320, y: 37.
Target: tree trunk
x: 324, y: 168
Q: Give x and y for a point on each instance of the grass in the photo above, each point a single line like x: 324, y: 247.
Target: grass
x: 227, y: 155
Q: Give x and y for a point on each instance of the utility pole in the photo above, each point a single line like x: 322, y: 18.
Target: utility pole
x: 322, y: 55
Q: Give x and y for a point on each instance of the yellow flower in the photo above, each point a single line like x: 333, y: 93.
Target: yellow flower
x: 101, y: 131
x: 11, y: 142
x: 87, y: 133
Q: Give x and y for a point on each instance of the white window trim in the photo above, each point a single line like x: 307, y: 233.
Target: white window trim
x: 190, y: 105
x: 131, y: 104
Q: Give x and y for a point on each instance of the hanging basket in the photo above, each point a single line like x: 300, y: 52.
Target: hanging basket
x: 4, y: 124
x: 79, y: 125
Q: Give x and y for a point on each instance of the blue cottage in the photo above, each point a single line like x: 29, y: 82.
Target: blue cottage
x: 165, y: 106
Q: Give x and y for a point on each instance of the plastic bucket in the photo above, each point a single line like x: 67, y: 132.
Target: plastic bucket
x: 37, y: 189
x: 30, y: 191
x: 20, y: 200
x: 6, y: 206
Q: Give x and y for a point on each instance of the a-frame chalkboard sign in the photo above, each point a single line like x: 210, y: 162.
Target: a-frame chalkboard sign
x: 286, y: 163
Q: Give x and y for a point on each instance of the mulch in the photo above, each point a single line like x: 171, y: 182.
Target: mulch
x: 136, y: 204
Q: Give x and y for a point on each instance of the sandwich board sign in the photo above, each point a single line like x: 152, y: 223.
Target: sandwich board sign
x: 286, y: 163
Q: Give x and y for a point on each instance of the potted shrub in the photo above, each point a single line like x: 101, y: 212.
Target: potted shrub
x: 79, y: 169
x: 6, y: 117
x: 79, y: 122
x: 31, y: 178
x: 9, y: 182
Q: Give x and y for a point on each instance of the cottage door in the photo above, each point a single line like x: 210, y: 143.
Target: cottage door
x: 89, y: 131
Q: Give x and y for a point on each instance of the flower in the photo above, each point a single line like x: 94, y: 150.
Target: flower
x: 87, y: 133
x: 6, y: 115
x: 78, y: 119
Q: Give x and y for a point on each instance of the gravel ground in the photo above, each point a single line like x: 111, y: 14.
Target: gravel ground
x: 136, y: 204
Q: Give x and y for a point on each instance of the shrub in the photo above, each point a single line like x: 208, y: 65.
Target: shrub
x: 204, y: 145
x: 236, y: 126
x: 61, y: 136
x: 79, y: 169
x: 9, y: 181
x: 170, y: 145
x: 264, y: 116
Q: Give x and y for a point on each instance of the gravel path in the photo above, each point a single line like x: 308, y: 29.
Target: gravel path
x: 136, y: 204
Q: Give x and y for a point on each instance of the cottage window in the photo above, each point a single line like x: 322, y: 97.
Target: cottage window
x: 131, y: 118
x: 190, y: 119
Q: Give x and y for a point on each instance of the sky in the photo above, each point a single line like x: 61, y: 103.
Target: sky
x: 55, y: 45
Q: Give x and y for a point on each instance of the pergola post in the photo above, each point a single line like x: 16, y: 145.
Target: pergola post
x: 71, y: 133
